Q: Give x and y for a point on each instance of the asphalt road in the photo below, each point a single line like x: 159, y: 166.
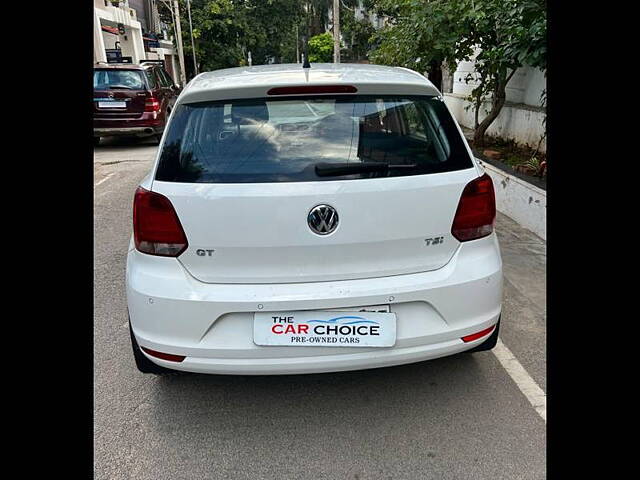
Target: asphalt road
x: 460, y: 417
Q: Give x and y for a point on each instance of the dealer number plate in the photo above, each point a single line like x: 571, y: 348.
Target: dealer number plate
x: 325, y: 328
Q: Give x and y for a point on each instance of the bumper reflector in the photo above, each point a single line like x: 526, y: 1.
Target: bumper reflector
x: 164, y: 356
x: 481, y: 333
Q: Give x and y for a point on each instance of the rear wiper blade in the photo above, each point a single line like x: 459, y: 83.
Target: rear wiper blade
x: 350, y: 168
x: 113, y: 87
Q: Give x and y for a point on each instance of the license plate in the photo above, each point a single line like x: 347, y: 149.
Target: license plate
x: 112, y: 104
x: 325, y: 329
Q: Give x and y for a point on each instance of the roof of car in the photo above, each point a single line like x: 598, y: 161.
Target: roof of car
x: 255, y: 81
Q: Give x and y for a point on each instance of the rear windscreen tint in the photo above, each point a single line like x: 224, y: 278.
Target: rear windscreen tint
x: 282, y: 140
x: 118, y: 79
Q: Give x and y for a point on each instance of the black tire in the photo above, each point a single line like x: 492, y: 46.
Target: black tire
x: 489, y: 343
x: 143, y: 363
x: 96, y: 141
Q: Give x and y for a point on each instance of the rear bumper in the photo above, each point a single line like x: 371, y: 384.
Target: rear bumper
x: 137, y: 131
x: 320, y: 364
x: 212, y: 324
x: 147, y: 124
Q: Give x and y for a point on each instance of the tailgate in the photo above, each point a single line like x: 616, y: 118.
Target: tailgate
x: 260, y: 233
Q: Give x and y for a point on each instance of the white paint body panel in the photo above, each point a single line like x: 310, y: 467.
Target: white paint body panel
x: 259, y: 232
x: 254, y: 82
x: 203, y: 307
x: 212, y: 324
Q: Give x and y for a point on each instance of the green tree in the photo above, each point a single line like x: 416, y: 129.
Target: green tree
x: 422, y: 34
x: 318, y: 15
x: 356, y: 32
x: 218, y: 27
x: 507, y: 34
x: 321, y: 48
x: 226, y: 30
x: 271, y: 33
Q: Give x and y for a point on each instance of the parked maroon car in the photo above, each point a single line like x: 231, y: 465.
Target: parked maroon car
x: 131, y: 100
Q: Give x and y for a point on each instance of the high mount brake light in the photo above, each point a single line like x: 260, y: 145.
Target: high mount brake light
x: 476, y: 210
x: 311, y: 89
x: 156, y: 227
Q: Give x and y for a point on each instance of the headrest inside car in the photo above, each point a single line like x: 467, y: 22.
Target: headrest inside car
x: 249, y: 114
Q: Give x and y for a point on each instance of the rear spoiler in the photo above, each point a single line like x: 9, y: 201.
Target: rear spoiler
x: 161, y: 62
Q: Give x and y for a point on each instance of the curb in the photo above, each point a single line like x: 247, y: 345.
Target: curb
x: 519, y: 200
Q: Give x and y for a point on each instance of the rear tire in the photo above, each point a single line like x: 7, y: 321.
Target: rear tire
x: 143, y: 363
x: 489, y: 343
x: 96, y: 141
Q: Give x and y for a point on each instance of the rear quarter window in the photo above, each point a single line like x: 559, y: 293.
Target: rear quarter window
x: 151, y: 79
x: 284, y: 139
x: 166, y: 79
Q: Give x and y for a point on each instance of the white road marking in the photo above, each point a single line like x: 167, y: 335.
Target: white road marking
x: 104, y: 179
x: 527, y: 385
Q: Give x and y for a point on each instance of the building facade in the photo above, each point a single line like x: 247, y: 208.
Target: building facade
x: 131, y: 31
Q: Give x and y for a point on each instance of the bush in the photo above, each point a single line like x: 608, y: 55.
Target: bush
x: 321, y: 48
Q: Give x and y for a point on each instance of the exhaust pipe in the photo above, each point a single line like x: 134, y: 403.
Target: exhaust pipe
x: 148, y: 130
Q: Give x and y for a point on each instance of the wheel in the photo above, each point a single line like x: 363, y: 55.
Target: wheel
x: 143, y: 363
x: 489, y: 343
x: 96, y: 141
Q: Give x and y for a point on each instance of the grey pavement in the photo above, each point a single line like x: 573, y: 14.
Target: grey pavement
x: 460, y: 417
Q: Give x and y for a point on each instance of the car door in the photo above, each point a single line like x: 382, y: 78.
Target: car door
x: 161, y: 91
x: 175, y: 91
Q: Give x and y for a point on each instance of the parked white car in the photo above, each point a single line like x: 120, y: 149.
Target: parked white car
x: 311, y: 220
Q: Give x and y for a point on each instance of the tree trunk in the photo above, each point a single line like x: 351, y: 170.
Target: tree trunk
x: 498, y: 100
x: 476, y: 112
x: 435, y: 74
x: 317, y: 23
x: 447, y: 78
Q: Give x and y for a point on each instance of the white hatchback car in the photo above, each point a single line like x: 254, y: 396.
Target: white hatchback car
x: 311, y: 220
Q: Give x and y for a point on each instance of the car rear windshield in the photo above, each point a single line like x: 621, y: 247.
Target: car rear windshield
x: 118, y: 79
x: 310, y: 139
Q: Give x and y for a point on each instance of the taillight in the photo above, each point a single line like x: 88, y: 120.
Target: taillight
x: 156, y: 227
x: 151, y: 104
x: 476, y: 210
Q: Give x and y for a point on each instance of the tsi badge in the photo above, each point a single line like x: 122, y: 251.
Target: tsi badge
x: 204, y: 253
x: 433, y: 241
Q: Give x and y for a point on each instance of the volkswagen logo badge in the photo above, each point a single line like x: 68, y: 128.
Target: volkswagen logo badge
x: 323, y: 219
